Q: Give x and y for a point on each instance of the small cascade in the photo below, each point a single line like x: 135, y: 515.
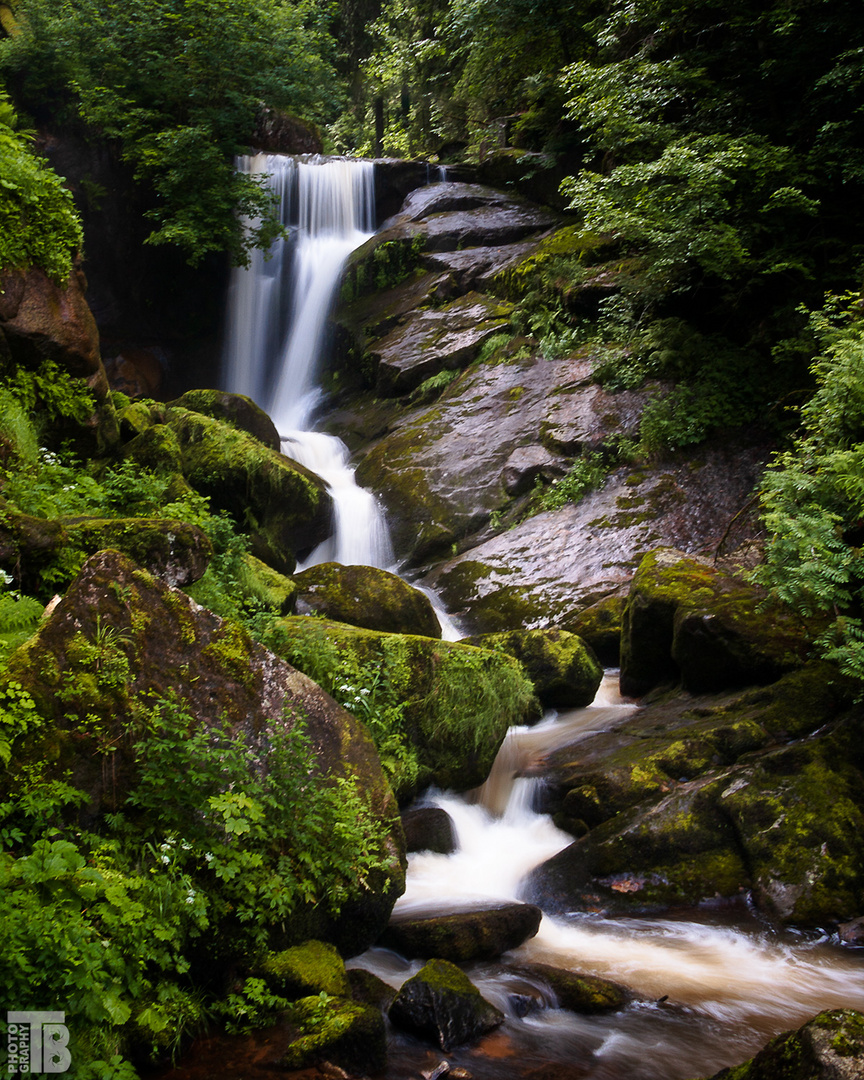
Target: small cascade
x: 278, y: 311
x: 707, y: 993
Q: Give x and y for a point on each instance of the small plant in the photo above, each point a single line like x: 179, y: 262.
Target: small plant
x: 587, y: 473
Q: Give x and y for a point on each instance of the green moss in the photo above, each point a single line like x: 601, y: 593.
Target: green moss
x: 229, y: 649
x: 339, y: 1030
x: 311, y: 968
x: 456, y: 701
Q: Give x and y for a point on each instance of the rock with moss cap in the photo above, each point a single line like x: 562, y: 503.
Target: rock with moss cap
x: 176, y: 551
x: 600, y: 625
x: 236, y: 409
x: 564, y: 670
x: 477, y: 934
x: 155, y: 448
x: 441, y: 1004
x: 260, y: 582
x: 120, y: 638
x: 455, y: 702
x: 686, y: 621
x: 287, y: 506
x: 828, y: 1047
x: 367, y: 597
x: 346, y: 1033
x: 314, y: 967
x: 692, y: 799
x: 574, y: 991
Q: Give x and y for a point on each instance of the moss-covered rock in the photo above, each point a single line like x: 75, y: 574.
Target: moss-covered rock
x: 828, y: 1047
x: 368, y: 989
x: 440, y: 1003
x: 119, y: 639
x: 348, y: 1034
x: 456, y: 701
x: 236, y: 409
x: 314, y: 967
x: 367, y: 597
x: 564, y: 670
x: 286, y: 508
x: 258, y: 581
x: 175, y: 551
x: 600, y: 625
x: 476, y: 934
x: 685, y: 620
x: 155, y: 448
x: 760, y: 790
x: 576, y: 992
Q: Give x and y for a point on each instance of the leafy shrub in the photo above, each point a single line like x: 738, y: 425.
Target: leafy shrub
x: 38, y: 222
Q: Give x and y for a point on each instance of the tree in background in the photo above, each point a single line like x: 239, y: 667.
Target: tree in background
x: 179, y: 85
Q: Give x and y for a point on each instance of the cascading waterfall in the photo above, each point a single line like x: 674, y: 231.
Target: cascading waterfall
x: 277, y: 323
x: 709, y: 994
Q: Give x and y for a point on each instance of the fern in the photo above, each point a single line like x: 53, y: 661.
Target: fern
x: 19, y: 617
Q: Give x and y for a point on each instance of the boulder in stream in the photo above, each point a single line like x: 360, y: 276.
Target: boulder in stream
x: 564, y: 670
x: 367, y: 597
x: 429, y: 828
x: 313, y: 967
x: 574, y: 991
x: 440, y: 1003
x: 758, y: 793
x: 828, y: 1047
x: 463, y: 936
x: 346, y: 1033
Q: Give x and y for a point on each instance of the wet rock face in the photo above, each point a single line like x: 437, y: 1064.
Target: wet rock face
x: 442, y: 1005
x: 828, y: 1047
x: 367, y: 597
x: 699, y: 799
x: 464, y: 936
x: 549, y: 567
x: 441, y: 472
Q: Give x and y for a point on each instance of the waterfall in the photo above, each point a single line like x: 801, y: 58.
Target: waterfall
x: 277, y: 321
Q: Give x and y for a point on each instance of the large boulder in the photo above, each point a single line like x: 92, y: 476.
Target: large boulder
x: 757, y: 793
x: 463, y: 936
x: 441, y: 1004
x: 345, y: 1033
x: 288, y: 506
x: 120, y: 638
x: 685, y: 620
x: 828, y: 1047
x: 365, y: 596
x: 175, y: 551
x: 564, y: 670
x: 456, y: 702
x: 236, y: 409
x: 42, y: 320
x: 428, y: 828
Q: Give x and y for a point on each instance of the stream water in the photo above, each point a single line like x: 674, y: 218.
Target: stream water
x: 709, y: 988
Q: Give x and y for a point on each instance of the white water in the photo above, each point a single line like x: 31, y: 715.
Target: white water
x: 725, y: 989
x: 278, y: 311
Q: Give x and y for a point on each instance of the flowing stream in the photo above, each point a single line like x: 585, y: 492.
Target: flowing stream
x: 709, y: 989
